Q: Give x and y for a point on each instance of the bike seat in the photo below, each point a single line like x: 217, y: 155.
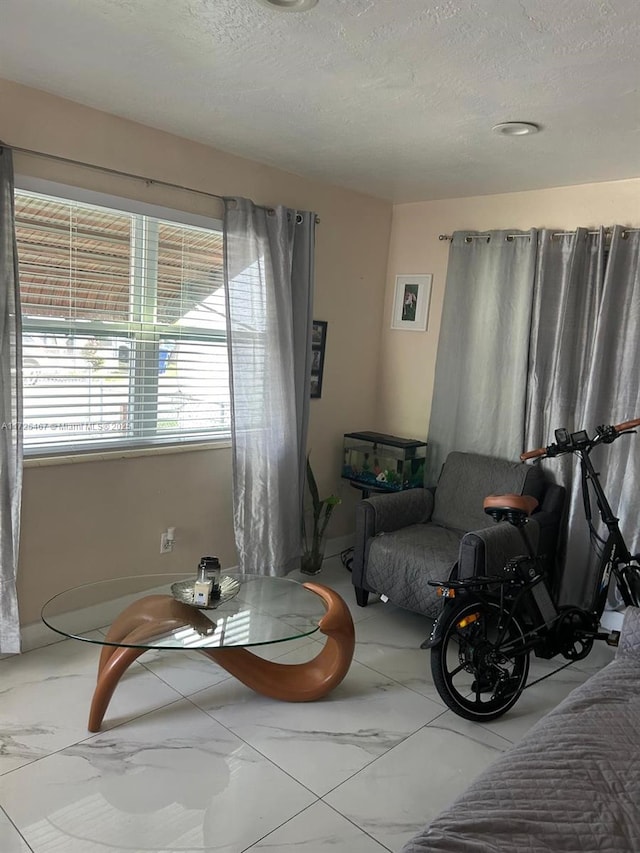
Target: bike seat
x: 514, y: 508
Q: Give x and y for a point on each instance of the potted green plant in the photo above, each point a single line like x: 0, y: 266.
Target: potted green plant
x: 314, y: 525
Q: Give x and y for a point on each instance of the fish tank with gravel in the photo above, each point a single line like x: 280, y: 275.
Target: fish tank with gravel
x: 383, y: 462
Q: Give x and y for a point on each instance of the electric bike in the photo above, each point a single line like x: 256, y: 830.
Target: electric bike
x: 482, y: 640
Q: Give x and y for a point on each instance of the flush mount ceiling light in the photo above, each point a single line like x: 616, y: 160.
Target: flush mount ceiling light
x: 289, y: 5
x: 515, y: 128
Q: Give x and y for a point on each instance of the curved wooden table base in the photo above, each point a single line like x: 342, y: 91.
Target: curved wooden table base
x: 155, y: 615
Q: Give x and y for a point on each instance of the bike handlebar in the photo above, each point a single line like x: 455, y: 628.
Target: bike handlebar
x: 580, y: 440
x: 626, y: 425
x: 533, y: 454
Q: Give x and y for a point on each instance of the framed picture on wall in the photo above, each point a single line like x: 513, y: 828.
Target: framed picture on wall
x: 318, y: 343
x: 411, y: 302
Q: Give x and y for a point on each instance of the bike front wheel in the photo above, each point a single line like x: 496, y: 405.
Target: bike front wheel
x: 478, y: 677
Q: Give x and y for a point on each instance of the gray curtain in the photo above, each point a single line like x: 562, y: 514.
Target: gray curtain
x: 583, y: 361
x: 481, y: 368
x: 269, y: 262
x: 611, y: 395
x: 10, y: 412
x: 521, y: 355
x: 568, y: 293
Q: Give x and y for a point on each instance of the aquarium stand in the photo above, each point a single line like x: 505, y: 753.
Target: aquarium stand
x: 366, y: 488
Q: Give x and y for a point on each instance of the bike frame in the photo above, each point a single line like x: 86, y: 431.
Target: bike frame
x: 615, y: 551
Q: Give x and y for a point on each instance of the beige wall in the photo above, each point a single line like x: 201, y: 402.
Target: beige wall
x: 104, y: 518
x: 408, y: 358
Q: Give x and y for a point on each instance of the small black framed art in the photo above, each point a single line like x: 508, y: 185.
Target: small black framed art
x: 318, y: 344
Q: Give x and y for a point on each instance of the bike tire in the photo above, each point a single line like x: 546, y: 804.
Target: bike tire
x: 474, y: 679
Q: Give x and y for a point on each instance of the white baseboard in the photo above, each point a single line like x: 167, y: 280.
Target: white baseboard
x: 35, y: 636
x: 339, y: 544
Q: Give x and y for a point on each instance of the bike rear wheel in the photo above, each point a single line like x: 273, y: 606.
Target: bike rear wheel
x: 474, y: 675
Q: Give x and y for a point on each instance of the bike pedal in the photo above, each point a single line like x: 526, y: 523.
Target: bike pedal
x: 613, y: 638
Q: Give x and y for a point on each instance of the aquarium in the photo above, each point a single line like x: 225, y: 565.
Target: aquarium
x: 384, y: 462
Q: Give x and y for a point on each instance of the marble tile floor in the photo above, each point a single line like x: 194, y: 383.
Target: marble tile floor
x: 191, y: 761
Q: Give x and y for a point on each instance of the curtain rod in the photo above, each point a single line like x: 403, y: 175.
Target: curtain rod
x: 106, y: 170
x: 555, y: 234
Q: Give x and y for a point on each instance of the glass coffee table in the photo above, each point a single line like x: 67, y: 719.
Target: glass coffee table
x: 152, y: 612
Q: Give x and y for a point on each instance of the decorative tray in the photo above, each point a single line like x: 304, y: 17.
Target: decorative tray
x: 183, y: 591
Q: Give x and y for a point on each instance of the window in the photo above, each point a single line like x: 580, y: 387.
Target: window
x: 124, y: 333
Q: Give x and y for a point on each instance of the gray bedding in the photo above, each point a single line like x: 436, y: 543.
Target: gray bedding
x: 571, y: 784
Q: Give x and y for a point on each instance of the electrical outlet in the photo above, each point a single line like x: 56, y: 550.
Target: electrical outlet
x: 166, y: 544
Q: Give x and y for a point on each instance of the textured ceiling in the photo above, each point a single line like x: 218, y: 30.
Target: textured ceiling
x: 395, y: 98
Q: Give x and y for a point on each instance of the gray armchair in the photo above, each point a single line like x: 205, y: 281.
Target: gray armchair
x: 405, y: 539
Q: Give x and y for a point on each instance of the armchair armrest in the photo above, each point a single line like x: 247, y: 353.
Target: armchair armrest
x: 486, y: 551
x: 385, y: 513
x: 549, y: 518
x: 553, y: 499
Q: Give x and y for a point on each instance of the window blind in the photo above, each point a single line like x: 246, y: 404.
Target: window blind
x: 124, y: 331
